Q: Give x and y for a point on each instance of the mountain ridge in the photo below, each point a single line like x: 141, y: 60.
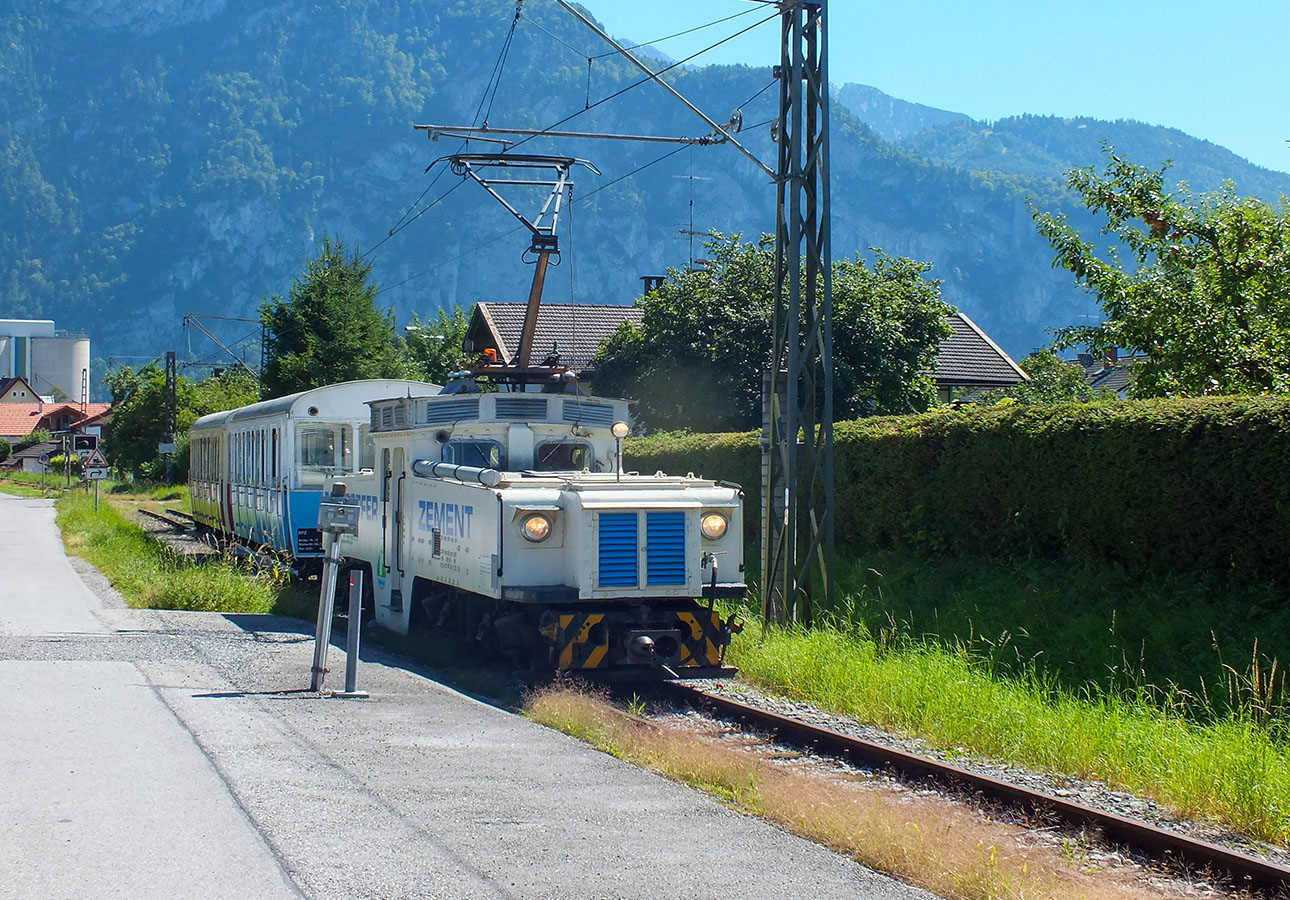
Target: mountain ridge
x: 192, y: 162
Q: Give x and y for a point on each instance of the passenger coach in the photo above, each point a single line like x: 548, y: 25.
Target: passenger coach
x: 257, y: 472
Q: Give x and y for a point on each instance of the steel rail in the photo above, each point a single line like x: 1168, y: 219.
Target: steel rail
x: 166, y: 517
x: 1161, y: 844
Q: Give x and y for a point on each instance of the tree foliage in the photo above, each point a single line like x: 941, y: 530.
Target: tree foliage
x: 6, y: 449
x: 1201, y: 284
x: 328, y: 330
x: 1051, y: 381
x: 139, y: 414
x: 696, y: 359
x: 433, y: 346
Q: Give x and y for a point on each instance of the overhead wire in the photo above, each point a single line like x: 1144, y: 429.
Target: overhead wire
x: 653, y: 76
x: 678, y: 34
x: 581, y: 199
x: 492, y: 85
x: 494, y: 82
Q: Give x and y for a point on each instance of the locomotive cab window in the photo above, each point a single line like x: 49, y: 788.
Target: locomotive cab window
x: 562, y: 456
x: 481, y: 454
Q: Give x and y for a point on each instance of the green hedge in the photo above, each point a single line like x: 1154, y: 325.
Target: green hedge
x: 1198, y: 485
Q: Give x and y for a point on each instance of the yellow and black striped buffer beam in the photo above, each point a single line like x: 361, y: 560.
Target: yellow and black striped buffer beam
x: 581, y: 644
x: 699, y: 645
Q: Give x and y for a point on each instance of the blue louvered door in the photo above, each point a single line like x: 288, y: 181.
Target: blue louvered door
x: 620, y: 550
x: 664, y: 548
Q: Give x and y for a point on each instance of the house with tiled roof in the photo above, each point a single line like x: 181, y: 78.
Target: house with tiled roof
x: 1111, y: 373
x: 18, y: 419
x: 967, y: 360
x: 17, y: 390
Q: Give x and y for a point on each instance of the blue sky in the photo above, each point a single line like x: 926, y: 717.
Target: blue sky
x: 1214, y: 70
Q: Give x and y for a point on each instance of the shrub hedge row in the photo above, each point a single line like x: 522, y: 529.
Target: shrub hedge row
x: 1196, y: 485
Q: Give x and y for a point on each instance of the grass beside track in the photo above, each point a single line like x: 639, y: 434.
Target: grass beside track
x: 1234, y: 770
x: 936, y: 845
x: 150, y: 576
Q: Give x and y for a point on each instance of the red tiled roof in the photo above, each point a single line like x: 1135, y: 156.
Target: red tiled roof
x: 577, y: 330
x: 18, y: 419
x: 21, y: 419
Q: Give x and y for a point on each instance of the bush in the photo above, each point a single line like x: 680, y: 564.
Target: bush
x: 6, y: 449
x: 1196, y: 485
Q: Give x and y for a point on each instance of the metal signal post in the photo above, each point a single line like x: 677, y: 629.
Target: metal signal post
x: 797, y: 434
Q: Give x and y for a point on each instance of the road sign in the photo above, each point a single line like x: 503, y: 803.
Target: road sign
x: 96, y: 459
x: 85, y: 444
x: 44, y: 459
x: 96, y: 473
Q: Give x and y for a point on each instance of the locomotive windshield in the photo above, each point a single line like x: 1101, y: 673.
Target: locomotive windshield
x: 482, y: 454
x: 562, y: 456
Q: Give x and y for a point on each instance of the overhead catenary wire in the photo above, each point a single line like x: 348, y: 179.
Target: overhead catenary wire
x: 488, y: 95
x: 677, y: 34
x: 580, y: 199
x: 652, y: 76
x: 491, y: 91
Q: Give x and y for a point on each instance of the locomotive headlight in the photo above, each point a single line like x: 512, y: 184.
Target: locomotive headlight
x: 714, y: 526
x: 536, y: 528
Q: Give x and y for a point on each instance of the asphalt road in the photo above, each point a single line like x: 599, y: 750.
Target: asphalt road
x: 153, y: 754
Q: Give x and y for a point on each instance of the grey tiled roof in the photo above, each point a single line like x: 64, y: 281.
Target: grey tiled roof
x: 969, y: 358
x: 576, y: 330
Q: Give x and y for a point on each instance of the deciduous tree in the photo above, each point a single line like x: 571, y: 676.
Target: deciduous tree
x: 139, y: 420
x: 696, y: 359
x: 1200, y: 284
x: 433, y: 347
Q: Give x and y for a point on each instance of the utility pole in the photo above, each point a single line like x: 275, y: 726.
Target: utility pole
x: 168, y: 438
x: 797, y: 432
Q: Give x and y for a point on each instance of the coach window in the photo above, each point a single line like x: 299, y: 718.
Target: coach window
x: 317, y: 447
x: 347, y: 448
x: 562, y: 456
x: 481, y: 454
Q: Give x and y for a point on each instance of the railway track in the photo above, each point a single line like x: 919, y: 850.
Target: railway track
x: 174, y: 519
x: 1158, y: 843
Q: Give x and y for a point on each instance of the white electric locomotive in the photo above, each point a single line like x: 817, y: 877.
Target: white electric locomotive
x: 256, y: 473
x: 507, y: 516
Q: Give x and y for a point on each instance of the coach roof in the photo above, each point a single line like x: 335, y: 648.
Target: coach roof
x: 358, y: 392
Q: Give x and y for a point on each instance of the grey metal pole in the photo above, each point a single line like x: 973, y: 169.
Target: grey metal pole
x: 326, y: 599
x: 351, y: 643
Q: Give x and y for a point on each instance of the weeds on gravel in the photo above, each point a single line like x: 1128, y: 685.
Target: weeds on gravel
x: 1234, y: 770
x: 938, y: 845
x: 152, y: 577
